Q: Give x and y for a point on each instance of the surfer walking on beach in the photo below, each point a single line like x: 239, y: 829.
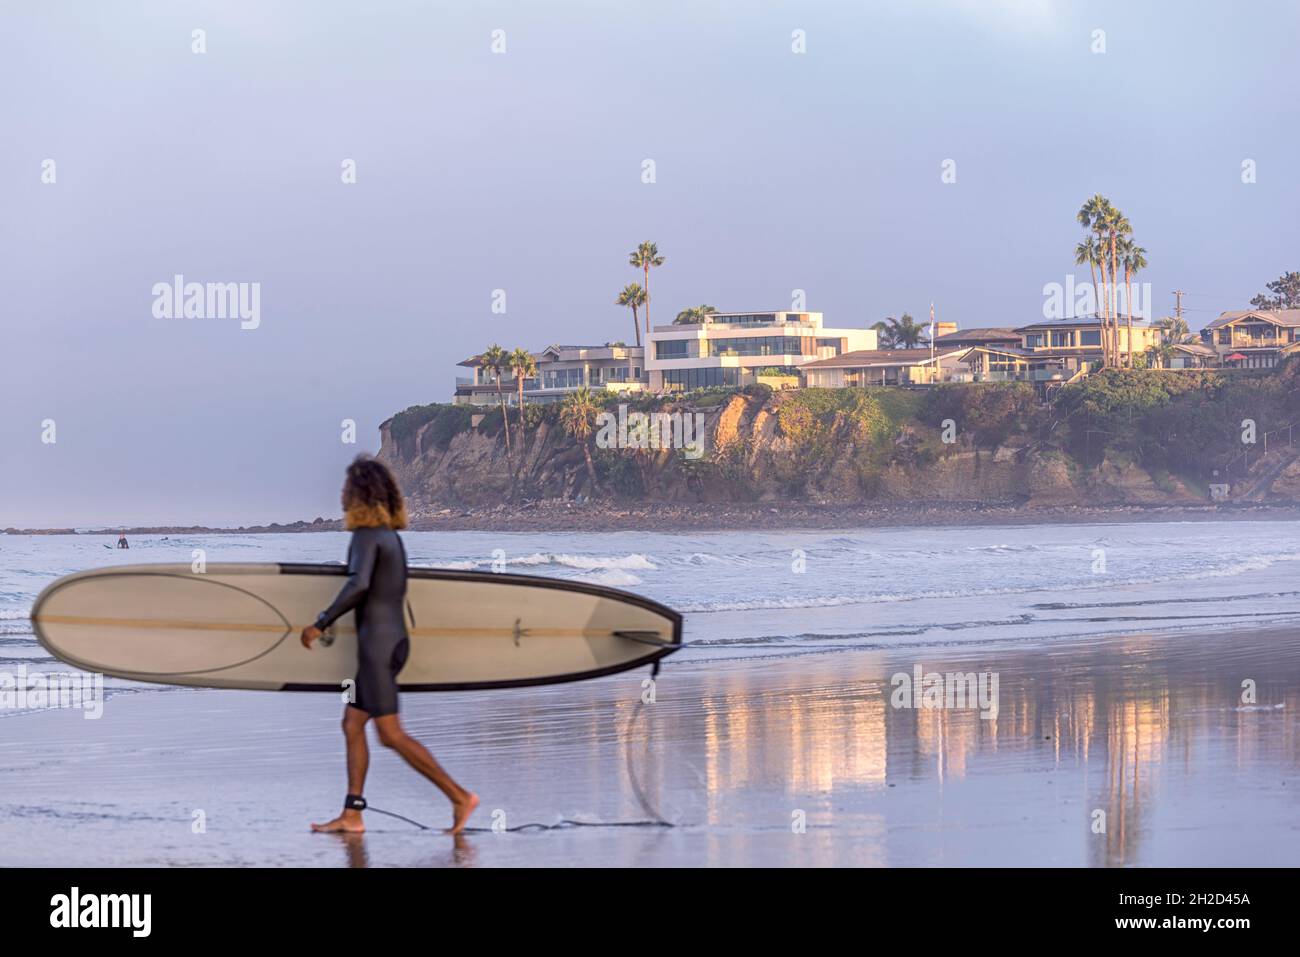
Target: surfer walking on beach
x: 376, y: 589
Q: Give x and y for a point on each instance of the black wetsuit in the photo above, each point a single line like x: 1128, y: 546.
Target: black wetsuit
x: 376, y: 588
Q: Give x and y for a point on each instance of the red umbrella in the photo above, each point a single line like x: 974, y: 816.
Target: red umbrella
x: 1235, y: 357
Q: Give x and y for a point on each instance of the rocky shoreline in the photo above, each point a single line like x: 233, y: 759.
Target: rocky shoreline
x: 568, y: 516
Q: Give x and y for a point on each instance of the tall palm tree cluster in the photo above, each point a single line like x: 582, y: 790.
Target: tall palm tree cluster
x: 635, y: 295
x: 498, y: 364
x: 1110, y: 251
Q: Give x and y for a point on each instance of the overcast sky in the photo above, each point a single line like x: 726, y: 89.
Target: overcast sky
x: 522, y: 171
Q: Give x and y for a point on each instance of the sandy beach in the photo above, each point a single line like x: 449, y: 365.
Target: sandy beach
x: 1150, y: 730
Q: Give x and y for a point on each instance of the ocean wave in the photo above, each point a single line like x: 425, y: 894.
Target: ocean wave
x: 612, y: 577
x: 834, y: 601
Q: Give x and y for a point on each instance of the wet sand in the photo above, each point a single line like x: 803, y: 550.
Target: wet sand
x: 1151, y: 731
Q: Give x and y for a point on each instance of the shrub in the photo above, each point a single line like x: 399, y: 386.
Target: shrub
x: 444, y: 421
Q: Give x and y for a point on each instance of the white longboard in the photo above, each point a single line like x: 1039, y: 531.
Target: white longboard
x: 237, y: 626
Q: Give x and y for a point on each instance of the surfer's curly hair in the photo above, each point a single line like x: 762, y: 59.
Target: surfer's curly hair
x: 371, y: 496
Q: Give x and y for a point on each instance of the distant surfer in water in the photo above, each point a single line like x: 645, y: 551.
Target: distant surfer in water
x: 376, y: 588
x: 121, y: 540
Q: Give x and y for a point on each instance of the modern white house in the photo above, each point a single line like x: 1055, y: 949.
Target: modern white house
x: 732, y: 348
x: 560, y: 370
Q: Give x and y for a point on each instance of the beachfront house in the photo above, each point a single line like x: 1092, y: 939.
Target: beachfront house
x: 1000, y: 337
x: 1253, y: 339
x: 561, y: 369
x: 866, y: 367
x: 1192, y: 355
x: 1078, y: 341
x: 734, y: 348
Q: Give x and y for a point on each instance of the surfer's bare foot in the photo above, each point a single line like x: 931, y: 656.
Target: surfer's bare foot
x: 349, y: 822
x: 460, y: 812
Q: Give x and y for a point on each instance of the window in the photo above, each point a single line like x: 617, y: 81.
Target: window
x: 1035, y: 340
x: 1061, y: 339
x: 759, y: 346
x: 1090, y: 337
x: 673, y: 349
x: 747, y: 319
x: 562, y: 378
x: 700, y: 378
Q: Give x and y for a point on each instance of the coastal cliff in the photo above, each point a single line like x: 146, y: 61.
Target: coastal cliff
x: 1121, y: 439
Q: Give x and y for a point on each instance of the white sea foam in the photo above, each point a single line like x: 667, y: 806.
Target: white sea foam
x: 613, y: 577
x: 634, y: 562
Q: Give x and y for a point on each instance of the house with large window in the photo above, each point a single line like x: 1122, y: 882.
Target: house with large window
x: 866, y: 367
x: 561, y: 369
x: 733, y: 348
x: 1254, y: 339
x: 998, y: 337
x: 1080, y: 339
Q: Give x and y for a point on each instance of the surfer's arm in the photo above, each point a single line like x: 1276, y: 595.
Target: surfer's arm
x: 361, y: 564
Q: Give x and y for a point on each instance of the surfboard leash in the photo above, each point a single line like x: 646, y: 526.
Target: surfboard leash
x: 656, y: 819
x: 531, y: 826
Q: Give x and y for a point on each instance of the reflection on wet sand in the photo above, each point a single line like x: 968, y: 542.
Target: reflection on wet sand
x: 791, y: 760
x: 1116, y: 729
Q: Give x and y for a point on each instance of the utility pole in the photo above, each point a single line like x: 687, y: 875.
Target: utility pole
x: 934, y: 372
x: 1178, y: 303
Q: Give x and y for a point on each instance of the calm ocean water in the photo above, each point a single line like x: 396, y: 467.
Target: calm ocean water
x: 778, y: 593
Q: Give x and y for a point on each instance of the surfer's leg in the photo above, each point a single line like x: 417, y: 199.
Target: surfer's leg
x: 393, y: 735
x: 354, y: 733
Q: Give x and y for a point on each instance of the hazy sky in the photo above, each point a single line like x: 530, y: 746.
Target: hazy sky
x: 521, y: 171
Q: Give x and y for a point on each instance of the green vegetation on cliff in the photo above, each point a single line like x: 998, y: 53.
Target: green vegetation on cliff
x: 1173, y: 433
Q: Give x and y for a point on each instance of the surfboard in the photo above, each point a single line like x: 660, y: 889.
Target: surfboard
x: 238, y: 626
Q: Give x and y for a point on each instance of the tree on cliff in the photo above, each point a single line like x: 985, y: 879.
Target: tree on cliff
x: 1133, y: 259
x: 524, y: 367
x: 578, y: 416
x: 694, y: 316
x: 900, y: 333
x: 644, y: 257
x: 632, y: 296
x: 496, y: 362
x: 1285, y: 293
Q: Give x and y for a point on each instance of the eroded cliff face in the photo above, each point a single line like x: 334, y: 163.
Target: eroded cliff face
x: 750, y: 457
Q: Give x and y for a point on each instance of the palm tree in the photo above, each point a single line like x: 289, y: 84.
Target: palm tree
x: 524, y: 367
x: 643, y: 257
x: 1135, y: 261
x: 1175, y: 329
x: 496, y: 361
x: 632, y: 296
x: 1117, y: 226
x: 901, y: 333
x: 1092, y: 216
x: 1086, y: 252
x: 885, y: 335
x: 577, y: 415
x: 695, y: 315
